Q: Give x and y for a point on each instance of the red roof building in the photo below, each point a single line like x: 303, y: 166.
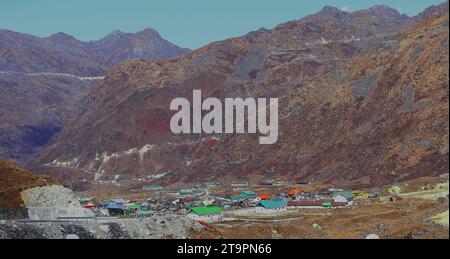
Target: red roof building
x: 264, y: 197
x: 295, y: 192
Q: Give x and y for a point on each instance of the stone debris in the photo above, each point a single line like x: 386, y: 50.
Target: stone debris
x: 72, y: 236
x: 52, y: 203
x: 150, y: 228
x: 317, y: 226
x: 50, y: 196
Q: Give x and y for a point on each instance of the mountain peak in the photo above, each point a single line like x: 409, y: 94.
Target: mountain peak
x: 330, y: 10
x: 63, y: 39
x: 61, y: 36
x: 146, y: 33
x: 149, y: 32
x: 433, y: 11
x: 116, y: 32
x: 386, y: 11
x: 114, y: 36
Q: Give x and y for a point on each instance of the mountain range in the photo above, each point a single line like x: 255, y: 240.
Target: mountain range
x: 43, y: 81
x: 363, y: 100
x: 62, y: 53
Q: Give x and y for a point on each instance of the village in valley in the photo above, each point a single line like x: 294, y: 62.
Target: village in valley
x: 210, y: 202
x: 219, y: 202
x: 250, y: 208
x: 280, y: 209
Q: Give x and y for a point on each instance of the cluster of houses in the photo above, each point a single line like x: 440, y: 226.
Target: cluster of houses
x: 118, y: 207
x: 202, y: 206
x: 265, y: 204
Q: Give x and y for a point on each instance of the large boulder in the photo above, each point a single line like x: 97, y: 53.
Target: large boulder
x: 53, y: 202
x: 50, y: 196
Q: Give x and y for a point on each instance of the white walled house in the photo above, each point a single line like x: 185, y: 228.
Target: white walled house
x: 271, y: 206
x: 340, y: 199
x: 205, y: 213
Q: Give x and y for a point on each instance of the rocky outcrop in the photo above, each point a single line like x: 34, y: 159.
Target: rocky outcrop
x: 50, y: 196
x: 27, y: 196
x: 53, y: 202
x: 13, y: 180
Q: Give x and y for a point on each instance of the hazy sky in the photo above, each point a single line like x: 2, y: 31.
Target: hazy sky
x: 188, y: 23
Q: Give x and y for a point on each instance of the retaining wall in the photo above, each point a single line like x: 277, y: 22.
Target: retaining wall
x: 54, y: 213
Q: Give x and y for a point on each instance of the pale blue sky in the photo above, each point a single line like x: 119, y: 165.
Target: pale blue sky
x: 188, y: 23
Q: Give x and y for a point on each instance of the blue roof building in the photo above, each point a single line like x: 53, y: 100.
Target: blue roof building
x: 120, y: 201
x: 115, y: 206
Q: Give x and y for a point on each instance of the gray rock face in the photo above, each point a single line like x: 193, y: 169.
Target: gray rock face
x: 153, y: 228
x: 13, y: 213
x: 57, y: 213
x: 52, y: 203
x: 50, y: 196
x: 72, y: 236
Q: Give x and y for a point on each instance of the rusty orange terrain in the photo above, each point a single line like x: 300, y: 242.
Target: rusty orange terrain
x: 13, y: 180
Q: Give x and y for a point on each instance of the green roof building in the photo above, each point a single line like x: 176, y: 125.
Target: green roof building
x: 244, y: 195
x: 132, y: 206
x: 240, y: 197
x: 248, y: 193
x: 326, y: 204
x: 206, y: 210
x: 104, y: 202
x: 213, y: 184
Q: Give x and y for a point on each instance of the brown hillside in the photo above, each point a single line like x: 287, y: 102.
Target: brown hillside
x: 13, y: 180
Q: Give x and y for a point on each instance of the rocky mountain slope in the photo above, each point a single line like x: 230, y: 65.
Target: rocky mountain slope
x: 34, y: 107
x: 363, y: 101
x: 43, y: 80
